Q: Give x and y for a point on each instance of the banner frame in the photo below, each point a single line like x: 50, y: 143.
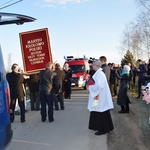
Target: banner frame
x: 23, y: 51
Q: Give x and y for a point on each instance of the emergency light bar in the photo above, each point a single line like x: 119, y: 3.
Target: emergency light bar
x: 75, y: 58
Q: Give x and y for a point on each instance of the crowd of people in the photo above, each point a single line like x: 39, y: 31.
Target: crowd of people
x: 47, y: 88
x: 119, y: 79
x: 50, y: 86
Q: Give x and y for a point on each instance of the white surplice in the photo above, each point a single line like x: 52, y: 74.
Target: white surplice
x: 101, y: 89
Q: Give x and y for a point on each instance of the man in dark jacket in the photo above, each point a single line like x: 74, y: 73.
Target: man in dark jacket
x: 59, y: 98
x: 48, y: 84
x: 105, y: 67
x: 117, y: 78
x: 134, y: 75
x: 15, y: 81
x: 33, y: 84
x: 67, y: 81
x: 141, y: 71
x: 130, y: 76
x: 112, y: 79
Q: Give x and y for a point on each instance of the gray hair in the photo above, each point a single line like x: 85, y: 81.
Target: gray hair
x: 97, y: 63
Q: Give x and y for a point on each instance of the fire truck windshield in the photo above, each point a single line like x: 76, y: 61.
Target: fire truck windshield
x: 77, y: 68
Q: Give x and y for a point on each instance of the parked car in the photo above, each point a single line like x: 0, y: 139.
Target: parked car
x: 5, y: 124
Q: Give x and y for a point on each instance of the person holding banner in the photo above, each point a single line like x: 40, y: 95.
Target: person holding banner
x: 100, y: 102
x: 16, y: 81
x: 48, y: 84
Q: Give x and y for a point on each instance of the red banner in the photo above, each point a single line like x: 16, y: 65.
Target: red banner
x: 36, y: 50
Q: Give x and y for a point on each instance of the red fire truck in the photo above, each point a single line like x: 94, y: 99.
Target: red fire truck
x: 80, y: 70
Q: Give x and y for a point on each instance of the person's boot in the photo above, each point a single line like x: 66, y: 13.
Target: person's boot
x: 122, y: 111
x: 62, y: 107
x: 127, y: 109
x: 57, y: 108
x: 12, y: 117
x: 138, y: 96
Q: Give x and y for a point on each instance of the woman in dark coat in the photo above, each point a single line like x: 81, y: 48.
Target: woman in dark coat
x: 123, y: 99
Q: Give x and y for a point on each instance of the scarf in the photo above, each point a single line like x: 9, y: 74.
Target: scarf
x: 123, y: 73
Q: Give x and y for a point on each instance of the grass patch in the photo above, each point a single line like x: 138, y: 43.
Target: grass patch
x: 134, y: 92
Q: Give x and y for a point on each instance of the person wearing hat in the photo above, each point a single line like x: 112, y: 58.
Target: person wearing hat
x: 59, y: 98
x: 15, y: 81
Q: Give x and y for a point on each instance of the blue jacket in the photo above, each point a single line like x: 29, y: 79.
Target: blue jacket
x: 142, y: 72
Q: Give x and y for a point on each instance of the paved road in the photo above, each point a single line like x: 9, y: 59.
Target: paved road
x: 69, y: 131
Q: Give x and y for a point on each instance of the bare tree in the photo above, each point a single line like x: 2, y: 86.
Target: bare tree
x: 144, y: 27
x: 135, y: 44
x: 145, y: 4
x: 125, y: 41
x: 131, y: 41
x: 136, y: 36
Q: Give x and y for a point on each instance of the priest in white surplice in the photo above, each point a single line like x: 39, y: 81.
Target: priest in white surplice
x: 100, y: 102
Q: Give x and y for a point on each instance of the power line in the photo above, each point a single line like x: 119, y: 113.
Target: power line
x: 10, y: 4
x: 6, y: 3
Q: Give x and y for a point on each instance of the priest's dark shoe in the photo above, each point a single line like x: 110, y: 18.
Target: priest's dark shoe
x: 99, y: 133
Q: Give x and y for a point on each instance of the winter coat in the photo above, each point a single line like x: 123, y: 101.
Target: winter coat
x: 112, y: 77
x: 16, y: 81
x: 49, y: 81
x: 33, y: 83
x: 123, y: 98
x: 142, y: 71
x: 106, y: 70
x: 61, y: 77
x: 68, y: 76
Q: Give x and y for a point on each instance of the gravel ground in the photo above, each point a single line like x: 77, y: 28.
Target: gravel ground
x: 127, y: 135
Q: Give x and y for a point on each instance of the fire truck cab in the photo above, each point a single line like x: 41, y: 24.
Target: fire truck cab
x: 80, y: 70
